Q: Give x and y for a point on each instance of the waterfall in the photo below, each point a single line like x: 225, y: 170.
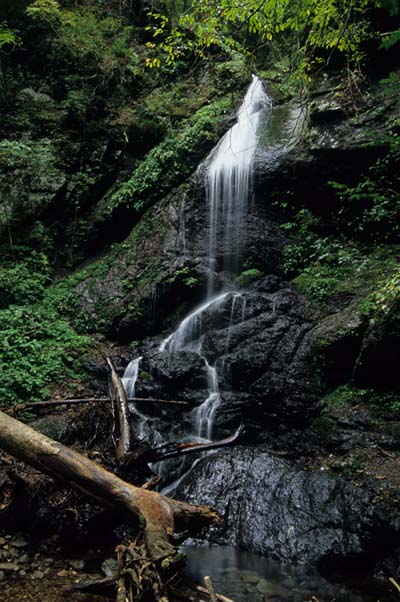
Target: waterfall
x: 228, y: 184
x: 228, y: 187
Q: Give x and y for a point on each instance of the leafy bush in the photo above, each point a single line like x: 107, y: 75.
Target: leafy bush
x: 37, y: 348
x: 370, y: 209
x: 24, y: 281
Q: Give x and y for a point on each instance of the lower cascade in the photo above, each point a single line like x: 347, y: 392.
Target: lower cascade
x: 188, y: 337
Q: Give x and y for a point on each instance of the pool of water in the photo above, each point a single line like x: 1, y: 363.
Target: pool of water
x: 245, y: 577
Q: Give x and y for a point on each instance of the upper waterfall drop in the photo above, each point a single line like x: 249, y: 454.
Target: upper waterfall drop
x: 229, y: 180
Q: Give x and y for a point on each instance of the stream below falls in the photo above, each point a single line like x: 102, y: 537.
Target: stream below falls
x: 246, y: 577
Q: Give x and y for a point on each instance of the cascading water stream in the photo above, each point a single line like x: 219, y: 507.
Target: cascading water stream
x: 130, y: 377
x: 228, y: 184
x: 188, y: 337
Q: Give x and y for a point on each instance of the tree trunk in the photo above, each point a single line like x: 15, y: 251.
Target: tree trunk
x: 156, y: 516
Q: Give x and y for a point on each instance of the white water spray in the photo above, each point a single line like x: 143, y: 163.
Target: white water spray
x: 129, y: 380
x: 229, y: 180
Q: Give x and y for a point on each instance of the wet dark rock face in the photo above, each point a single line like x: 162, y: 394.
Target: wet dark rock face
x: 272, y: 507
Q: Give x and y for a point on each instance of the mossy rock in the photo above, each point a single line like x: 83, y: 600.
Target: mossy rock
x: 248, y: 277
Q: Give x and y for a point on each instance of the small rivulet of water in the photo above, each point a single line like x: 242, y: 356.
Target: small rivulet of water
x: 129, y: 380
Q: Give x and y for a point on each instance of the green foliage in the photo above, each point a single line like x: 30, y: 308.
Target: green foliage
x: 351, y: 261
x: 305, y: 245
x: 9, y: 38
x: 390, y: 38
x: 37, y: 348
x: 350, y: 395
x: 344, y: 395
x: 324, y: 267
x: 249, y: 276
x: 100, y: 45
x: 26, y: 169
x: 371, y: 207
x: 24, y: 281
x: 385, y: 294
x: 391, y: 84
x: 309, y: 31
x: 318, y: 283
x: 184, y: 276
x: 346, y: 270
x: 172, y: 160
x: 319, y: 264
x: 231, y: 73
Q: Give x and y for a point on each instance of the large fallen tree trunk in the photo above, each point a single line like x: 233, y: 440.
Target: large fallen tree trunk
x: 156, y: 517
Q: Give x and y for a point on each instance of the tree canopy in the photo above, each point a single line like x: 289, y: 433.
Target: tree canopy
x: 308, y: 31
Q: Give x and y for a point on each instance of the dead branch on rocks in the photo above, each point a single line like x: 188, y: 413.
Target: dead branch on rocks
x: 38, y: 405
x: 210, y: 589
x: 191, y: 448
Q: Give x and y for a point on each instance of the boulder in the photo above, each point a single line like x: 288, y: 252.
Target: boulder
x: 273, y: 507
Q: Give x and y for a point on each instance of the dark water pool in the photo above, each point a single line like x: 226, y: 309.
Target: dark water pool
x: 245, y: 577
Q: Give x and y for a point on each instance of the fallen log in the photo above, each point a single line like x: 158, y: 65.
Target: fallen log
x: 155, y: 516
x: 37, y: 405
